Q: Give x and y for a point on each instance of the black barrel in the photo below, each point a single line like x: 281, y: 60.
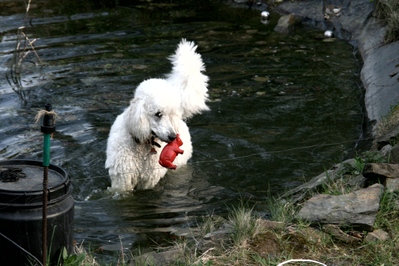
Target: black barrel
x: 21, y: 203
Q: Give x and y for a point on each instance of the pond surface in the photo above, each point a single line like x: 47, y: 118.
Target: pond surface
x: 283, y: 108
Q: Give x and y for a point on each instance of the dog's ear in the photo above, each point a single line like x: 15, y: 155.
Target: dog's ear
x: 137, y: 121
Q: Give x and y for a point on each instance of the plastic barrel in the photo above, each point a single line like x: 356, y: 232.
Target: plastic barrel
x: 21, y: 208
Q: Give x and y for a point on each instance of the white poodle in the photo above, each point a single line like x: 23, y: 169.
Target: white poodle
x: 154, y: 117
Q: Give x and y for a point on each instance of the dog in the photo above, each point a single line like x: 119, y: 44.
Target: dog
x: 154, y: 117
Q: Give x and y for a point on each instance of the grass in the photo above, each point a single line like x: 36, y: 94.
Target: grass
x: 254, y: 241
x: 251, y: 240
x: 343, y: 184
x: 79, y: 256
x: 387, y: 123
x: 388, y: 11
x: 245, y: 225
x: 379, y: 253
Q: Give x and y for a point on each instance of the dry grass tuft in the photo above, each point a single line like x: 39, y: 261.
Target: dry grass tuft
x: 387, y: 123
x: 388, y: 11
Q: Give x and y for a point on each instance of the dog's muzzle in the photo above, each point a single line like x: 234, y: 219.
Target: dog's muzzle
x: 171, y: 137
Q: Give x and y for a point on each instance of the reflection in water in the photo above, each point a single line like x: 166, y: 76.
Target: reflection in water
x: 277, y: 102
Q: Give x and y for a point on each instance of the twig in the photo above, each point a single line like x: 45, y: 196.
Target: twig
x: 24, y: 250
x: 122, y: 253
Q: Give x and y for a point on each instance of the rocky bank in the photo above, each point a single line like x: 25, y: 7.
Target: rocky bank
x: 356, y: 24
x: 351, y: 20
x: 358, y: 209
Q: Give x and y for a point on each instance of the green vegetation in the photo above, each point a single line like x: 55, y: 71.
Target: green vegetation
x: 251, y: 240
x: 388, y: 122
x: 245, y: 225
x: 388, y: 11
x: 341, y: 184
x: 254, y: 241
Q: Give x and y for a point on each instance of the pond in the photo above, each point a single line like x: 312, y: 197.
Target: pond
x: 283, y: 108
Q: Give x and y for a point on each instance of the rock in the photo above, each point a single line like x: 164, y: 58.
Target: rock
x: 215, y: 239
x: 394, y: 154
x: 377, y: 235
x: 272, y: 225
x: 168, y: 257
x: 358, y: 209
x: 386, y: 150
x: 309, y: 10
x: 347, y: 22
x: 379, y: 172
x: 387, y: 138
x: 286, y: 24
x: 298, y: 193
x: 375, y: 75
x: 392, y: 185
x: 357, y: 25
x: 336, y: 232
x: 304, y: 235
x: 357, y: 182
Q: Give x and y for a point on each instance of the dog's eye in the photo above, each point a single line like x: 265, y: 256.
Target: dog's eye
x: 158, y: 114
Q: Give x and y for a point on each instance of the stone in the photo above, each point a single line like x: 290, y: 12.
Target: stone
x: 158, y: 258
x: 392, y: 185
x: 357, y: 25
x: 394, y: 154
x: 272, y: 225
x: 377, y: 235
x: 310, y: 10
x: 309, y: 234
x: 336, y: 232
x: 357, y: 182
x: 347, y: 22
x: 357, y: 209
x: 298, y: 193
x: 379, y: 172
x: 386, y: 150
x: 388, y: 137
x: 375, y: 75
x: 286, y: 24
x: 215, y: 239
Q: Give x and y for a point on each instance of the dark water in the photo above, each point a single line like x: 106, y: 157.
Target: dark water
x: 284, y: 108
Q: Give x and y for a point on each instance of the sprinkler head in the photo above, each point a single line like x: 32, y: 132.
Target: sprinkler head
x: 48, y: 120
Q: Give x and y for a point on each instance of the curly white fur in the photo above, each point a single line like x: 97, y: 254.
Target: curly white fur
x: 157, y: 110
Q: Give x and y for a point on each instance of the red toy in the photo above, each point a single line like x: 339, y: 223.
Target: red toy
x: 169, y: 153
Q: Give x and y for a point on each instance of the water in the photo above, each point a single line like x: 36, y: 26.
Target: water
x: 284, y: 108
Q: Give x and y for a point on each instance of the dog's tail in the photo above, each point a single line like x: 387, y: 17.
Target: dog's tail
x: 188, y: 77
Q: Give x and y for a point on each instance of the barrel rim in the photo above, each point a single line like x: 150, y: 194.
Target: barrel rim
x: 34, y: 197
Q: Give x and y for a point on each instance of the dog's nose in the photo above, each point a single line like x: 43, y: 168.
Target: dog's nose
x: 172, y: 137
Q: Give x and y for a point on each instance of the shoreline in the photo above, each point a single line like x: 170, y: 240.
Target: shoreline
x: 356, y: 24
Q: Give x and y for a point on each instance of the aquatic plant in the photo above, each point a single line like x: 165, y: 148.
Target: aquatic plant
x: 24, y: 46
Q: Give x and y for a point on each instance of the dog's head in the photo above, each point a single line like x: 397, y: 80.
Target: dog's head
x: 154, y: 111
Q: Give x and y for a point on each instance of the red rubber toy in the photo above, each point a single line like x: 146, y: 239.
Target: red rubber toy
x: 169, y: 153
